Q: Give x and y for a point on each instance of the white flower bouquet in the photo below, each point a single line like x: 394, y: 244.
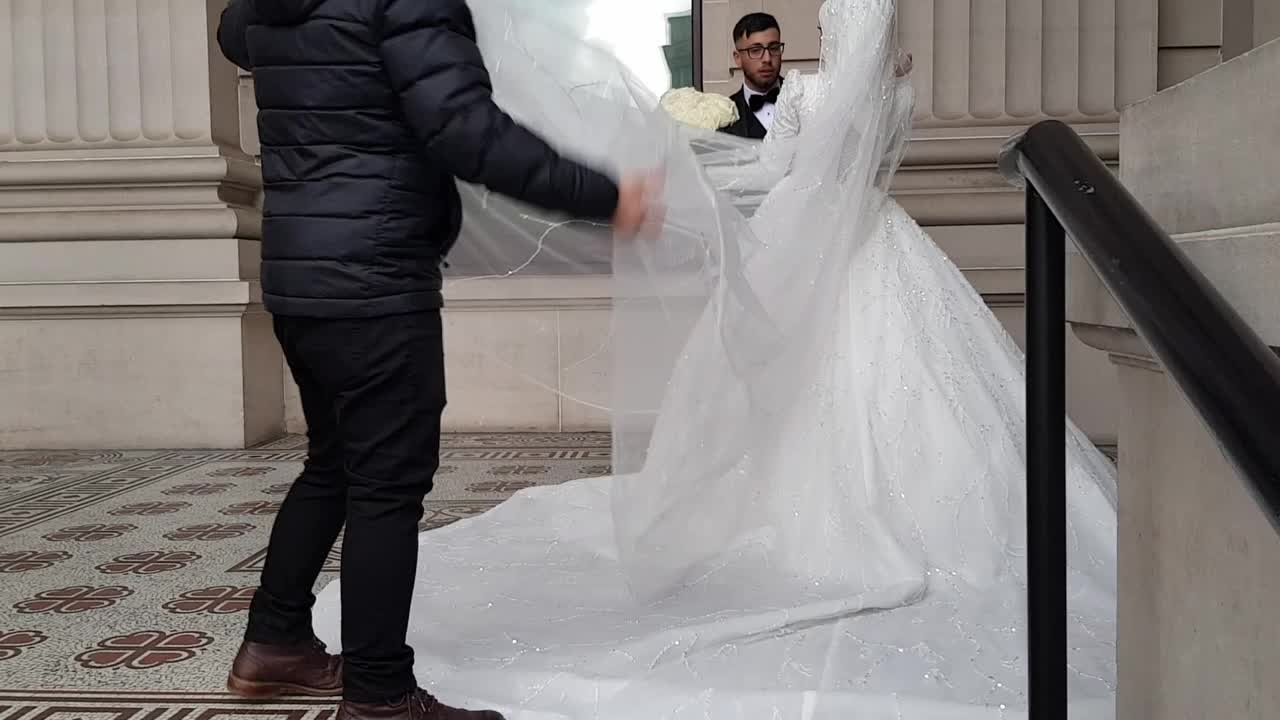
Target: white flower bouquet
x: 707, y: 111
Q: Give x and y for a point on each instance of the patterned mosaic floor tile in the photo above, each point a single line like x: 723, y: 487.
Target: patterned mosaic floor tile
x: 125, y: 576
x: 126, y: 705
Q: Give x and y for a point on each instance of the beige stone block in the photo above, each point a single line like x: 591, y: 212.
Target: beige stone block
x: 974, y: 247
x: 503, y: 369
x: 1093, y: 391
x: 1266, y: 21
x: 139, y: 381
x: 1190, y: 23
x: 128, y: 260
x: 1197, y: 637
x: 717, y: 46
x: 1241, y: 263
x: 1197, y: 581
x: 262, y: 379
x: 586, y: 363
x: 1179, y: 64
x: 799, y: 21
x: 1195, y: 166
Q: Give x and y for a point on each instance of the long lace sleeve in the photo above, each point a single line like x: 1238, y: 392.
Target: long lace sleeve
x: 760, y: 168
x: 786, y: 119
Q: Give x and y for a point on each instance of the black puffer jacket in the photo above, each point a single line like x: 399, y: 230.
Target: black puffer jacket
x: 367, y: 112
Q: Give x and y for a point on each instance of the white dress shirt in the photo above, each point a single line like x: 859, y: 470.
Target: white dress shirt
x: 764, y: 114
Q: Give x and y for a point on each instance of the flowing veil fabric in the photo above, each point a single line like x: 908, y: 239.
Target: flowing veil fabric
x: 708, y: 277
x: 816, y: 508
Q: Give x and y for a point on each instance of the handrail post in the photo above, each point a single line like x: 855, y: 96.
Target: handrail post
x: 1046, y: 461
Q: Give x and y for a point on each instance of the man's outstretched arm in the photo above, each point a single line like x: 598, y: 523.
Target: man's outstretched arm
x: 439, y: 74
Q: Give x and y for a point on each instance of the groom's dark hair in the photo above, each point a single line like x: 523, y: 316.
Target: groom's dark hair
x: 753, y: 23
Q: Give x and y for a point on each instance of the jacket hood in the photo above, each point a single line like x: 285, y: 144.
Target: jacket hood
x: 284, y: 12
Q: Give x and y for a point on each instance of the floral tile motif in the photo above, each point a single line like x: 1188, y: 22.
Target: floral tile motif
x: 149, y: 508
x: 13, y: 642
x: 93, y: 532
x: 144, y: 650
x: 28, y: 560
x: 516, y: 470
x: 136, y: 617
x: 224, y: 600
x: 205, y: 488
x: 488, y: 487
x: 210, y: 532
x: 260, y: 507
x: 242, y: 472
x: 152, y: 562
x: 129, y: 574
x: 72, y: 600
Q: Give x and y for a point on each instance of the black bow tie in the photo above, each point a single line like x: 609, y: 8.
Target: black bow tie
x: 756, y: 102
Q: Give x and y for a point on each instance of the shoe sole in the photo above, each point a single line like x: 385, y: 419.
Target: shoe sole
x: 266, y: 690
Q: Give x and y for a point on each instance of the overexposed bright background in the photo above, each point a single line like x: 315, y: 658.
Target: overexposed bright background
x: 636, y: 31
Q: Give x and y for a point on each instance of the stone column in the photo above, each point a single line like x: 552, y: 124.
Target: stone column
x: 1197, y: 581
x: 129, y: 306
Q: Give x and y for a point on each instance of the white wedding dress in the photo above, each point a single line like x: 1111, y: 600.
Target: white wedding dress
x: 835, y: 530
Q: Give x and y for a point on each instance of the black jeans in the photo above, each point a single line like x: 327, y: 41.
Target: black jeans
x: 372, y: 393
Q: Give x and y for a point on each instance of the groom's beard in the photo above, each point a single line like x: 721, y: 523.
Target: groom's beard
x: 764, y: 83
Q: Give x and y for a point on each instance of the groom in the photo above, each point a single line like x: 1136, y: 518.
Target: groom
x: 757, y: 51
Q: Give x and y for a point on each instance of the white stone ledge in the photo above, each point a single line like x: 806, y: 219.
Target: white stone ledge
x: 201, y: 297
x: 167, y: 169
x: 1202, y: 154
x: 140, y: 198
x: 59, y: 224
x: 169, y: 260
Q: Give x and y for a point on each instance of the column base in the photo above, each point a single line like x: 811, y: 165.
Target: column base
x: 138, y: 366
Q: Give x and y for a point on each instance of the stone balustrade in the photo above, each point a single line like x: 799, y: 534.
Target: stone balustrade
x: 1197, y: 632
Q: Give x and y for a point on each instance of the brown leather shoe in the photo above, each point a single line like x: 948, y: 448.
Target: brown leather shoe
x: 418, y: 705
x: 266, y: 671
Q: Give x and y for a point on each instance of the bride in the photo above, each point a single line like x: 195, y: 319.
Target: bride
x: 824, y: 514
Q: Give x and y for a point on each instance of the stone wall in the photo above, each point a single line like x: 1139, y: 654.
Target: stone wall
x: 1197, y: 633
x: 129, y: 303
x: 129, y: 311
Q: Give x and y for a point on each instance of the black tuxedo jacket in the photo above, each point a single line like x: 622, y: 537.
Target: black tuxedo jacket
x: 747, y: 125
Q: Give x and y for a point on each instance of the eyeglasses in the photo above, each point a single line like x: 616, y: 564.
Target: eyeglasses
x: 755, y: 52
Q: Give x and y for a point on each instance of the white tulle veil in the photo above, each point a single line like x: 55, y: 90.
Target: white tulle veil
x: 715, y: 314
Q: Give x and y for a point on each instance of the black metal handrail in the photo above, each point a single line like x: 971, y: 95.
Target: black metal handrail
x: 1225, y: 370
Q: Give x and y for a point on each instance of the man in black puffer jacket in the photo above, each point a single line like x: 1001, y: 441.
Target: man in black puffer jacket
x: 368, y: 112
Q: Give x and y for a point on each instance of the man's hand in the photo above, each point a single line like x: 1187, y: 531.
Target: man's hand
x: 639, y: 203
x: 903, y: 64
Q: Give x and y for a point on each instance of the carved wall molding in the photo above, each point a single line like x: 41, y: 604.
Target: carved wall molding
x: 100, y: 74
